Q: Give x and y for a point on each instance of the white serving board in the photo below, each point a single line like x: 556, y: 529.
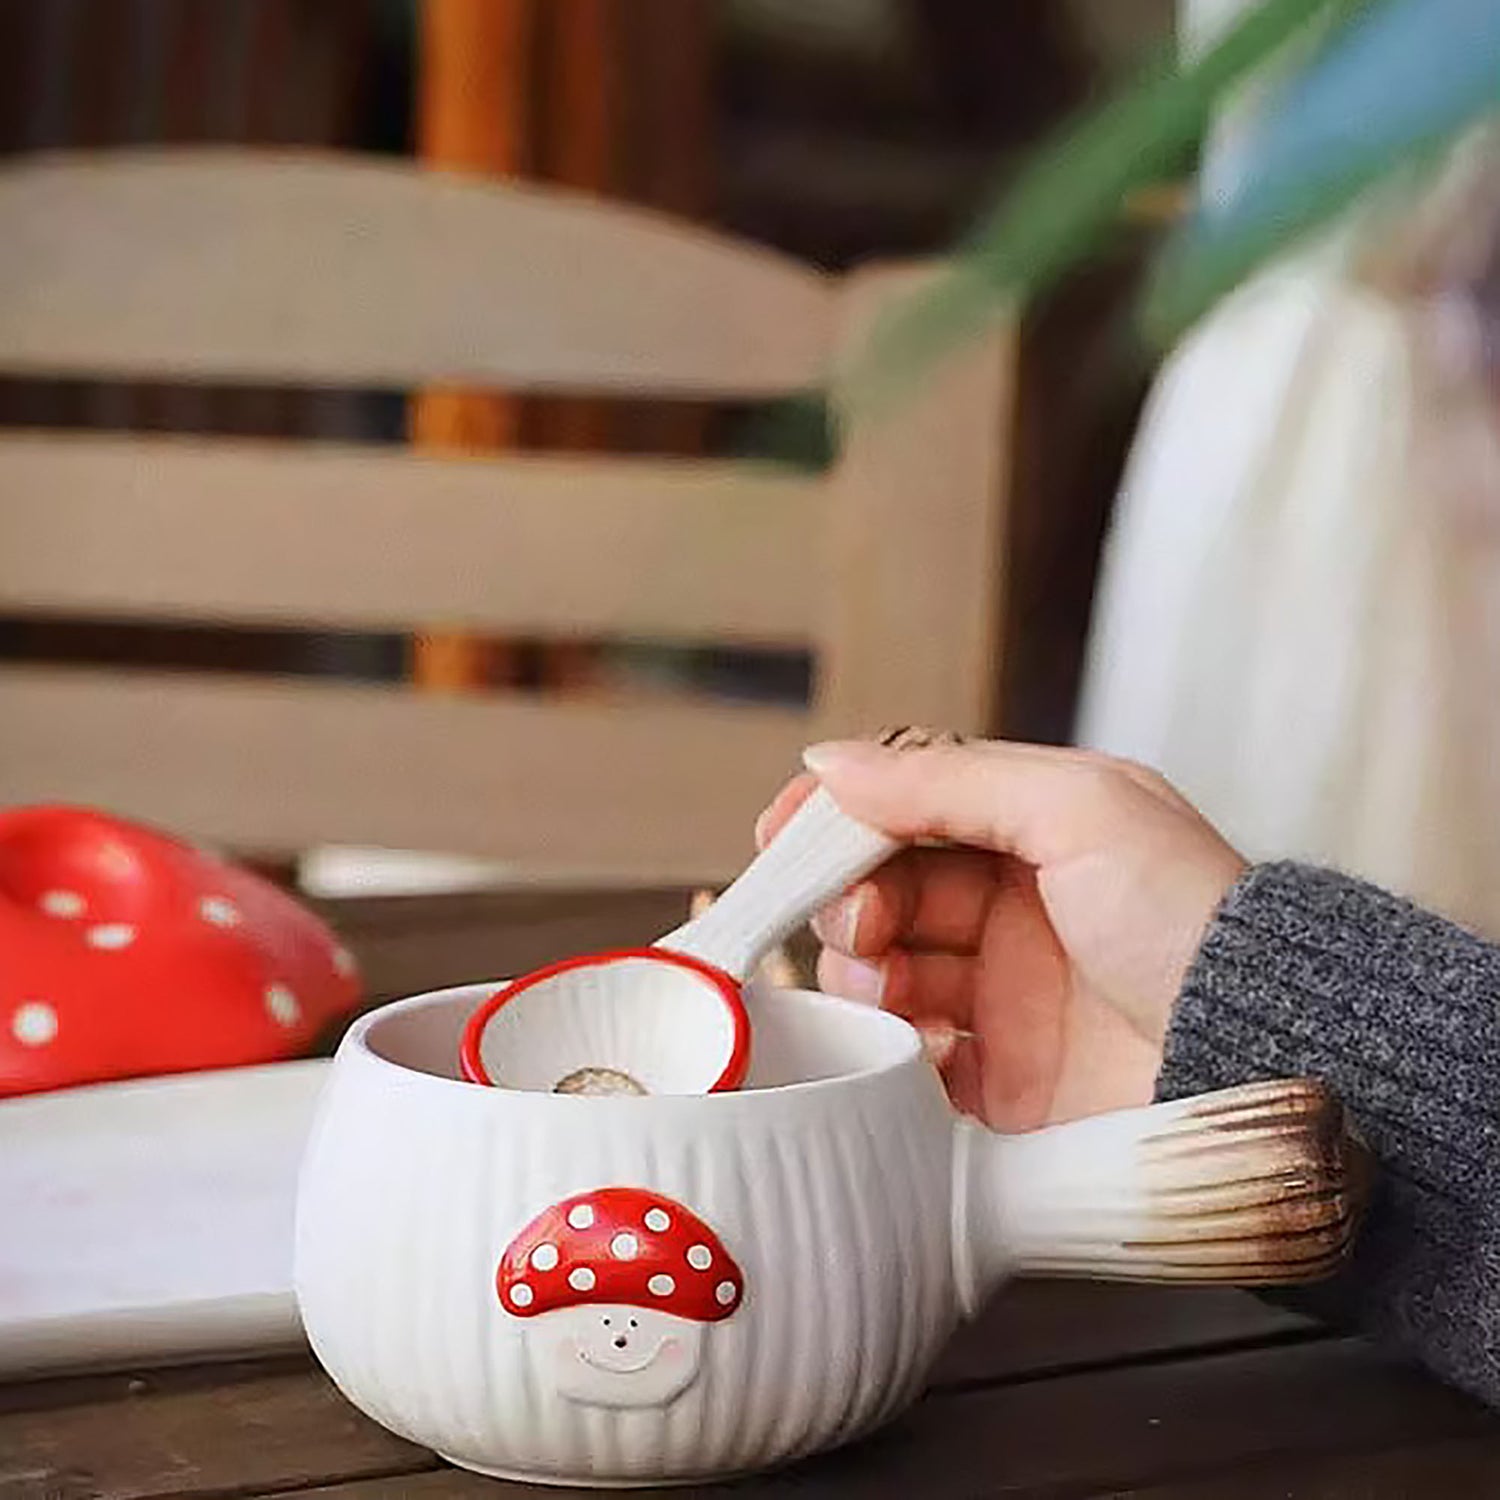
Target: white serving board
x: 151, y: 1221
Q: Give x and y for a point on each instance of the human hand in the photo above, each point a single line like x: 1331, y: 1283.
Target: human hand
x: 1044, y: 939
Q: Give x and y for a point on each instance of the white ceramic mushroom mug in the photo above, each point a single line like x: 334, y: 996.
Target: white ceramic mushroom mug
x: 623, y: 1290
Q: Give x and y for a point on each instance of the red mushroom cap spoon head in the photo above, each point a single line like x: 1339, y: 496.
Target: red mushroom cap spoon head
x: 635, y: 1021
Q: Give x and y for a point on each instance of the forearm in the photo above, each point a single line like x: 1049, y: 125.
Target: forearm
x: 1305, y: 972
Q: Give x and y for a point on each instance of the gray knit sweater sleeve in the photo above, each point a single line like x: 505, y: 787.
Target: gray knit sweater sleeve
x: 1307, y: 973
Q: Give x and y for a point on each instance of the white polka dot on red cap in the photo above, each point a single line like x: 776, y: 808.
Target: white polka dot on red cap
x: 581, y: 1279
x: 700, y: 1257
x: 658, y: 1220
x: 110, y: 936
x: 521, y: 1294
x: 62, y: 903
x: 625, y: 1246
x: 219, y: 911
x: 544, y: 1257
x: 343, y: 962
x: 661, y: 1286
x: 725, y: 1292
x: 581, y: 1216
x: 34, y: 1024
x: 282, y: 1005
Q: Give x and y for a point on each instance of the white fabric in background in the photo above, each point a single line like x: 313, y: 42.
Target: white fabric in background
x: 1299, y: 616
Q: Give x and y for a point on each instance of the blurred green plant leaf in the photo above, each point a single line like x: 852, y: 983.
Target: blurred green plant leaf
x: 1401, y: 82
x: 796, y: 432
x: 1070, y: 198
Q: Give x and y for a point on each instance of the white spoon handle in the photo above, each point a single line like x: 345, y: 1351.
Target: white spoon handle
x: 820, y: 853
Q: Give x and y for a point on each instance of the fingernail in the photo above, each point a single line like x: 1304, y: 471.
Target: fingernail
x: 861, y: 981
x: 838, y: 923
x: 762, y: 825
x: 832, y: 756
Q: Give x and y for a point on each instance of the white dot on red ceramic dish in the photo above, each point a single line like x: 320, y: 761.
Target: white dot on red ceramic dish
x: 544, y: 1257
x: 521, y: 1294
x: 282, y: 1005
x: 34, y: 1024
x: 624, y: 1247
x: 661, y: 1286
x: 581, y: 1279
x: 581, y: 1216
x: 343, y: 962
x: 219, y: 911
x: 725, y: 1293
x: 62, y: 903
x: 658, y: 1219
x: 700, y: 1257
x: 110, y: 936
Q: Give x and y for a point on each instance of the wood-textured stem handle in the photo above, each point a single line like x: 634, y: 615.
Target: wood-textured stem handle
x: 1258, y: 1185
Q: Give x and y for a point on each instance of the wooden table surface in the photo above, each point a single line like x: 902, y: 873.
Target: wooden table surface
x: 1060, y: 1390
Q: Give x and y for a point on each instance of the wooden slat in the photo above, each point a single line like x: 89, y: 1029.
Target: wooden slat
x: 320, y: 269
x: 660, y: 792
x: 121, y: 1433
x: 1468, y: 1468
x: 233, y: 1430
x: 1098, y: 1432
x: 1044, y: 1327
x: 917, y: 538
x: 370, y: 538
x: 1107, y: 1432
x: 406, y: 944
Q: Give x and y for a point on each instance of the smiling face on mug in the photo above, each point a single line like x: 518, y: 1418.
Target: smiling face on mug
x: 621, y: 1356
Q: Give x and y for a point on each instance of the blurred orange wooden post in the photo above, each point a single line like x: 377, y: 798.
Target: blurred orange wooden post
x: 580, y: 131
x: 473, y: 112
x: 488, y: 70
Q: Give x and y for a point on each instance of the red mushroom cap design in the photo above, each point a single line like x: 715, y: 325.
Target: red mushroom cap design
x: 622, y: 1246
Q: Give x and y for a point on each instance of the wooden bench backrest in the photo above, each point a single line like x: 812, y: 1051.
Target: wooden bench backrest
x: 229, y: 266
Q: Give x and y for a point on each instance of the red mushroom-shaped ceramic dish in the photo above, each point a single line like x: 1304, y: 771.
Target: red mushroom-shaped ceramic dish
x: 623, y: 1284
x: 125, y: 952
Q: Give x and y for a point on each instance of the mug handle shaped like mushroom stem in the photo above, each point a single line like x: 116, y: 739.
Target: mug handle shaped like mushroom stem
x: 1258, y: 1185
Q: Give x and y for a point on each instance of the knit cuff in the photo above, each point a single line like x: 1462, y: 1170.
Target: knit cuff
x: 1308, y: 973
x: 1305, y: 972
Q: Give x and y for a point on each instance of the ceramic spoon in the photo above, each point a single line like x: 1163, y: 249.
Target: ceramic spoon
x: 669, y: 1019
